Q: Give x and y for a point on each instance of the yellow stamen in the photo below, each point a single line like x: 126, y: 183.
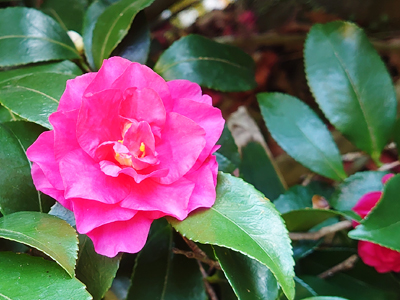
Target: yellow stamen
x: 142, y: 149
x: 123, y: 159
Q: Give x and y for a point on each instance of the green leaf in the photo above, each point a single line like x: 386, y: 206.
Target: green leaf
x: 208, y: 63
x: 249, y: 279
x: 26, y: 132
x: 160, y: 274
x: 299, y: 197
x: 351, y: 84
x: 136, y: 44
x: 69, y: 14
x: 89, y: 22
x: 299, y: 131
x: 48, y: 234
x: 242, y: 219
x: 382, y: 225
x: 228, y: 157
x: 28, y: 277
x: 112, y: 26
x: 27, y: 36
x: 325, y: 298
x: 353, y: 188
x: 305, y: 219
x: 34, y: 97
x: 17, y: 192
x: 6, y: 115
x: 94, y: 270
x: 256, y: 168
x: 64, y: 67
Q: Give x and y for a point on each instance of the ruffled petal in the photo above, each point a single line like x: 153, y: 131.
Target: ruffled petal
x: 185, y: 89
x: 181, y: 144
x: 206, y: 116
x: 64, y: 124
x: 41, y: 152
x: 123, y: 236
x: 169, y: 199
x: 205, y: 180
x: 140, y: 77
x: 72, y: 97
x: 144, y: 105
x: 42, y: 184
x: 111, y: 69
x: 367, y: 203
x: 91, y: 214
x: 99, y: 120
x: 83, y: 178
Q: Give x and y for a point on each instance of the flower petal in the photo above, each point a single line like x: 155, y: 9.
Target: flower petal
x: 206, y: 116
x: 98, y: 120
x: 140, y: 77
x: 181, y: 144
x: 366, y: 203
x: 111, y: 69
x: 72, y: 97
x: 185, y: 89
x: 123, y: 236
x: 169, y: 199
x: 144, y: 105
x: 83, y: 178
x: 91, y: 214
x: 64, y: 124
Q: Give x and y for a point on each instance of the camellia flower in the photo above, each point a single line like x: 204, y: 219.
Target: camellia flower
x: 381, y: 258
x: 128, y: 148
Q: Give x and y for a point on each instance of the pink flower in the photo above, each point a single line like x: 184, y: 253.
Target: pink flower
x: 128, y: 148
x: 381, y: 258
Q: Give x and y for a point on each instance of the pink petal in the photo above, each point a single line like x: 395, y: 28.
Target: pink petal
x: 83, y: 178
x: 122, y: 236
x: 42, y: 153
x: 111, y: 69
x: 134, y: 137
x: 42, y: 184
x: 144, y: 105
x: 205, y: 179
x: 98, y: 120
x: 367, y: 203
x: 140, y: 77
x: 185, y: 89
x: 64, y: 124
x: 72, y: 97
x: 387, y: 177
x: 181, y: 144
x: 91, y: 214
x: 206, y: 116
x: 169, y: 199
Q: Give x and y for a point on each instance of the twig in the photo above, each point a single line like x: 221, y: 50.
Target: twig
x: 343, y: 266
x: 201, y: 254
x: 387, y: 167
x: 313, y: 236
x: 206, y: 260
x: 209, y: 288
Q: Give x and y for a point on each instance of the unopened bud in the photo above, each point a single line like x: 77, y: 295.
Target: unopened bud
x: 77, y: 40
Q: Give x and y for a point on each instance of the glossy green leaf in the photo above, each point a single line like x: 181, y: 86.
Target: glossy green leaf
x: 136, y: 44
x: 6, y: 115
x: 228, y: 157
x: 353, y: 188
x: 351, y: 84
x: 112, y: 26
x: 382, y: 225
x: 89, y: 22
x: 28, y: 277
x: 210, y: 64
x: 396, y: 133
x: 94, y: 270
x: 17, y: 192
x: 325, y: 298
x: 299, y: 131
x: 34, y: 97
x: 48, y: 234
x: 160, y: 274
x: 69, y: 14
x: 299, y: 197
x: 26, y: 132
x: 305, y: 219
x: 27, y: 35
x: 256, y: 168
x: 246, y: 222
x: 64, y: 67
x: 249, y: 279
